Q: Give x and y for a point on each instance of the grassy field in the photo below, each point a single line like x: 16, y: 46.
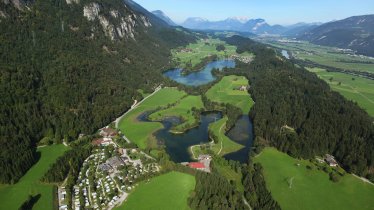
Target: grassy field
x: 182, y: 109
x: 12, y: 196
x: 354, y: 88
x: 311, y: 188
x: 141, y: 132
x: 226, y: 91
x: 168, y: 191
x: 327, y: 56
x: 202, y: 49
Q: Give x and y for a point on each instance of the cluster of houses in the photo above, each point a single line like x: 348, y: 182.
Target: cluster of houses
x: 203, y: 163
x: 243, y: 59
x: 102, y: 181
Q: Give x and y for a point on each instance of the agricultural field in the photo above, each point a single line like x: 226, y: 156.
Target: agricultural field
x: 227, y: 91
x: 296, y: 187
x: 328, y: 56
x: 196, y: 52
x: 183, y: 110
x: 141, y: 132
x: 168, y: 191
x: 354, y: 88
x: 13, y: 196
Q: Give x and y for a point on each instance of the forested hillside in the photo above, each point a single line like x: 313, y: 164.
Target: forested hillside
x: 298, y: 113
x: 70, y: 67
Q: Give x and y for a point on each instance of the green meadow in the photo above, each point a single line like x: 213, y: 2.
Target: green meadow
x: 296, y: 187
x: 182, y: 109
x: 226, y: 91
x: 13, y: 196
x: 328, y: 56
x: 141, y: 132
x: 202, y: 49
x: 166, y: 192
x: 353, y: 88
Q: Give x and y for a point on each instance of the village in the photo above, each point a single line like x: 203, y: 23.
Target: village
x: 108, y: 174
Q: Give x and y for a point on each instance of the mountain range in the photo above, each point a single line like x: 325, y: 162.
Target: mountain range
x: 356, y: 33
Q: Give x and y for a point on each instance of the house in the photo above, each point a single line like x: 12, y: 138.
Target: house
x: 104, y: 167
x: 115, y: 162
x: 243, y: 88
x: 108, y: 132
x: 331, y: 160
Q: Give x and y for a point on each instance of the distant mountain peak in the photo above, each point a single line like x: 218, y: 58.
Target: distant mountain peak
x: 160, y: 14
x: 242, y: 19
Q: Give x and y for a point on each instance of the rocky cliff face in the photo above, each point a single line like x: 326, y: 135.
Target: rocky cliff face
x: 116, y: 24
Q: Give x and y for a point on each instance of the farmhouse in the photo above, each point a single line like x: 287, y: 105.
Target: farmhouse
x: 331, y: 160
x: 244, y: 88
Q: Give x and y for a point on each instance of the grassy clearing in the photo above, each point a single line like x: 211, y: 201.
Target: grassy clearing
x: 12, y: 196
x: 311, y: 188
x: 327, y: 56
x: 141, y: 132
x: 354, y: 88
x: 182, y: 109
x: 202, y: 49
x: 168, y: 191
x: 226, y: 91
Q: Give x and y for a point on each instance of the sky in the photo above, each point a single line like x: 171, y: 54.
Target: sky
x: 283, y: 12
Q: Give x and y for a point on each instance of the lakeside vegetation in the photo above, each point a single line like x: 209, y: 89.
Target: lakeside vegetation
x: 140, y: 133
x: 13, y: 196
x: 357, y: 89
x: 300, y: 184
x: 167, y: 191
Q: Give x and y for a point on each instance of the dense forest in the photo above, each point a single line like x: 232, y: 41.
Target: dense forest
x: 213, y: 191
x: 299, y: 114
x: 62, y: 76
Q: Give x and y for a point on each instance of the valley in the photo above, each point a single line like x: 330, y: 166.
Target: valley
x: 106, y: 105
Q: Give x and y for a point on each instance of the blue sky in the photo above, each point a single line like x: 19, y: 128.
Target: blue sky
x: 273, y: 11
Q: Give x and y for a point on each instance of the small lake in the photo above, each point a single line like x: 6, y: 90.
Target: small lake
x: 201, y: 77
x: 241, y: 133
x: 285, y: 54
x: 178, y: 145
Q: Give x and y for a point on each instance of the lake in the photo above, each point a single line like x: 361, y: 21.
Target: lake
x: 178, y: 145
x: 201, y: 77
x: 241, y: 133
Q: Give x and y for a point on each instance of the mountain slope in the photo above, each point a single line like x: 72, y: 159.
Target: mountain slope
x: 356, y: 33
x: 160, y: 14
x: 70, y: 67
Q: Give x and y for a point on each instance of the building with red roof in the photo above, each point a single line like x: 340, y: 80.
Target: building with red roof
x: 196, y: 165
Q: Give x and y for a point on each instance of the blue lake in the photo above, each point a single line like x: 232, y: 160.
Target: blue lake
x: 201, y: 77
